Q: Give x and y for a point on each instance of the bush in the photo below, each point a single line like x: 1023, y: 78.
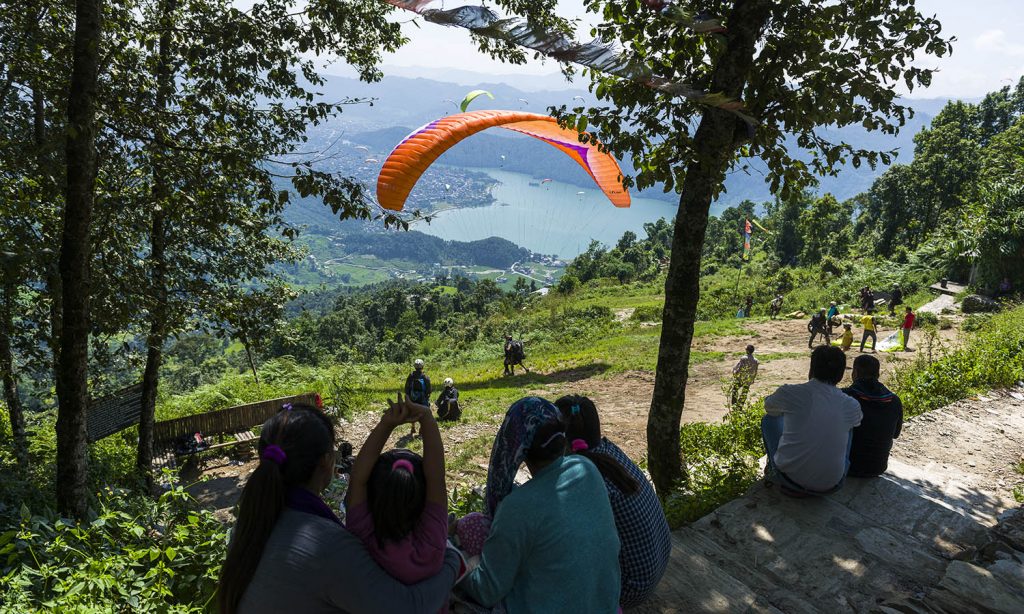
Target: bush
x: 721, y: 463
x: 926, y: 318
x: 137, y: 555
x: 991, y: 357
x: 647, y: 313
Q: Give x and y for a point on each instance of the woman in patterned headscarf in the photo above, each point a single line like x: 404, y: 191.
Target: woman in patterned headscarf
x: 552, y: 544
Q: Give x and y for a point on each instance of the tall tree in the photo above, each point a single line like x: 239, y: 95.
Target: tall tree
x: 73, y: 365
x: 796, y: 65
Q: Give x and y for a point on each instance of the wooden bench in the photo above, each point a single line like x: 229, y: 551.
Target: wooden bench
x: 231, y: 427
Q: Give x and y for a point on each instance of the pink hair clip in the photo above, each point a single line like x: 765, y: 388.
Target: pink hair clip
x: 579, y: 445
x: 402, y: 464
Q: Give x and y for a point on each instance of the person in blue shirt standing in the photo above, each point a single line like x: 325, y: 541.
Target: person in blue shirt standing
x: 417, y: 388
x: 552, y: 545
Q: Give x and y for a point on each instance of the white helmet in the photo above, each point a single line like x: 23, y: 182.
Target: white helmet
x: 449, y: 381
x: 418, y: 363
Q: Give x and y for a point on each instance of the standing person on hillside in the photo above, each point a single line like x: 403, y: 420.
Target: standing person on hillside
x: 743, y: 375
x: 908, y: 323
x: 882, y: 422
x: 833, y: 311
x: 896, y: 299
x: 806, y: 429
x: 818, y: 326
x: 748, y: 306
x: 870, y: 330
x: 776, y: 307
x: 514, y: 355
x: 417, y: 388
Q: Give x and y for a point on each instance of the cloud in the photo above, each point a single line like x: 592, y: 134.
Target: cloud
x: 994, y: 41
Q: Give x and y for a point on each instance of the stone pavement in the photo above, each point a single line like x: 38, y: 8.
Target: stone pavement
x: 937, y: 534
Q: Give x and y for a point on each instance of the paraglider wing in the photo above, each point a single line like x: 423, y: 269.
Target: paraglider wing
x: 417, y: 152
x: 543, y: 181
x: 470, y: 97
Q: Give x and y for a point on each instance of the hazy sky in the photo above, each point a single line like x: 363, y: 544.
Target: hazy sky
x: 988, y: 52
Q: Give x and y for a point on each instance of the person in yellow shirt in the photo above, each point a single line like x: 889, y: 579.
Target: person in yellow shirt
x: 870, y: 330
x: 847, y: 339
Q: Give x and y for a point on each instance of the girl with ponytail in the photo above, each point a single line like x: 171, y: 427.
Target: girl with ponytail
x: 639, y: 518
x: 289, y: 552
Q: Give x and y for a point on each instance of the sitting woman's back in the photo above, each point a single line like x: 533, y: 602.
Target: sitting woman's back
x: 289, y: 551
x: 552, y: 545
x: 643, y: 530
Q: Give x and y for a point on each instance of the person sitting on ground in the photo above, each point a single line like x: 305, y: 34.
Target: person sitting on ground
x: 1005, y: 288
x: 818, y: 326
x: 643, y: 531
x: 806, y: 429
x: 448, y: 401
x: 847, y: 340
x: 397, y: 501
x: 552, y: 544
x: 908, y: 325
x: 290, y: 553
x: 743, y: 375
x: 870, y: 330
x: 882, y: 422
x: 776, y: 306
x: 417, y: 388
x: 895, y: 299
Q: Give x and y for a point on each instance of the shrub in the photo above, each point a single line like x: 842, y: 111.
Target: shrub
x: 991, y: 357
x: 137, y: 555
x: 647, y: 313
x: 721, y: 463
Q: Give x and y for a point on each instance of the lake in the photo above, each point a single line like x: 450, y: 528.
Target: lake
x: 549, y: 218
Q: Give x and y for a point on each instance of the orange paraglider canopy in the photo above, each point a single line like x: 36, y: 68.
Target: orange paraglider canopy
x: 418, y: 151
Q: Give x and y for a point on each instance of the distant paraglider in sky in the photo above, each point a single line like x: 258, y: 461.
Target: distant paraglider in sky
x: 580, y: 98
x: 543, y: 181
x: 419, y: 150
x: 470, y: 97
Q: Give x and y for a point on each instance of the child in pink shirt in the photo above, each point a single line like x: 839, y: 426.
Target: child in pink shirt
x: 397, y: 501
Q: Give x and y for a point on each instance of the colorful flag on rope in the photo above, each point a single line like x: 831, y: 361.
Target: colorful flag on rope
x: 746, y: 239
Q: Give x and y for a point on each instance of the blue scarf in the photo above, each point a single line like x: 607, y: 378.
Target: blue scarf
x: 513, y: 440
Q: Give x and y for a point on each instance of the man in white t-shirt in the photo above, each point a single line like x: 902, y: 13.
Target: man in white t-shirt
x: 807, y: 428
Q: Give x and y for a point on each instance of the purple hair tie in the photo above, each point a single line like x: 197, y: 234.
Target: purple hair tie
x: 578, y: 445
x: 287, y: 407
x: 274, y: 454
x: 402, y: 464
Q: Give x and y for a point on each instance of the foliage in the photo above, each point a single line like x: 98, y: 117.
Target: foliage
x: 136, y: 553
x: 990, y: 357
x: 721, y: 463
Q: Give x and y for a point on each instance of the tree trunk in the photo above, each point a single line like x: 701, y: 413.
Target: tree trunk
x: 75, y: 252
x: 252, y: 364
x: 714, y: 144
x: 10, y: 381
x: 158, y: 310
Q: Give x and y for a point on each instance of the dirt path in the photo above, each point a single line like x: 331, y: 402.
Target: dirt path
x: 623, y: 400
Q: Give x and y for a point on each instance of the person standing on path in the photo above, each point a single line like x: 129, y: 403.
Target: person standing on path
x: 908, y: 323
x: 417, y: 388
x: 870, y: 330
x: 743, y: 375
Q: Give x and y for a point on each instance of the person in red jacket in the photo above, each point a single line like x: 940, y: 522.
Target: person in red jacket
x: 908, y: 323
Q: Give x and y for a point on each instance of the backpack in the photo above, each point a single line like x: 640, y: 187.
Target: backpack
x: 419, y: 391
x: 516, y: 350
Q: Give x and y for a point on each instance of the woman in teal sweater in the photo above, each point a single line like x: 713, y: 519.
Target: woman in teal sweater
x: 552, y: 546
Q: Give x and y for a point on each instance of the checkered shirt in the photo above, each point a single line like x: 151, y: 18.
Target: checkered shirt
x: 643, y: 531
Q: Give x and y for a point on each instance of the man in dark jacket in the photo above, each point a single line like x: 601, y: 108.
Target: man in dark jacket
x: 882, y: 421
x: 895, y: 299
x: 417, y: 387
x: 818, y: 326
